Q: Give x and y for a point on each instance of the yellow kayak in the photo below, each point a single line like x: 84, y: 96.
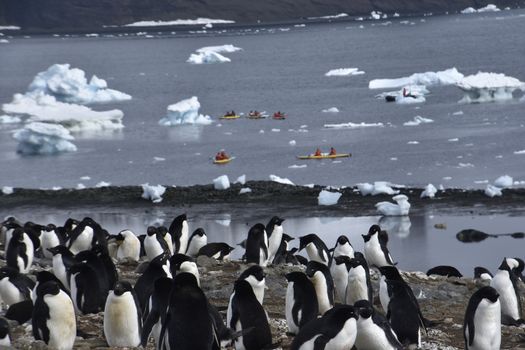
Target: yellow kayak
x: 230, y: 117
x: 223, y: 161
x: 326, y: 156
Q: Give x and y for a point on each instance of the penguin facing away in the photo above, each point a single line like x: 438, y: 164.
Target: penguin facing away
x: 301, y: 301
x: 157, y: 268
x: 54, y: 317
x: 274, y: 230
x: 157, y: 310
x: 482, y: 325
x: 315, y: 248
x: 359, y: 286
x: 20, y: 251
x: 179, y: 233
x: 183, y: 263
x: 505, y: 282
x: 257, y: 245
x: 216, y: 250
x: 14, y: 286
x: 323, y: 283
x: 376, y: 251
x: 255, y: 276
x: 197, y: 240
x: 86, y: 293
x: 122, y: 316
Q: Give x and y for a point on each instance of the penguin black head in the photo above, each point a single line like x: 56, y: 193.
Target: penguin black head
x: 4, y: 328
x: 478, y: 271
x: 184, y: 279
x: 488, y: 293
x: 60, y: 249
x: 8, y: 271
x: 176, y: 224
x: 10, y: 222
x: 275, y: 221
x: 163, y: 230
x: 371, y: 231
x: 342, y: 259
x: 287, y: 238
x: 313, y: 266
x: 44, y: 276
x: 177, y: 260
x: 18, y: 234
x: 255, y: 271
x: 342, y: 240
x: 122, y: 287
x: 151, y: 231
x: 357, y: 261
x: 364, y: 308
x: 296, y: 276
x: 199, y: 232
x: 119, y: 237
x: 50, y: 227
x: 390, y: 273
x: 49, y: 287
x: 340, y: 313
x: 258, y: 228
x: 305, y: 240
x: 508, y: 264
x: 161, y: 259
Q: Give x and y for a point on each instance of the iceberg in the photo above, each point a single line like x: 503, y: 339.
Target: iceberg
x: 504, y: 181
x: 179, y: 22
x: 221, y: 183
x: 331, y: 110
x: 154, y: 193
x: 429, y: 191
x: 207, y: 58
x: 281, y: 180
x: 446, y: 77
x: 390, y: 209
x: 351, y: 125
x: 342, y: 72
x: 488, y: 8
x: 328, y: 198
x: 493, y: 191
x: 377, y: 188
x: 241, y: 179
x: 44, y: 138
x: 417, y: 121
x: 488, y: 87
x: 185, y: 112
x: 219, y: 49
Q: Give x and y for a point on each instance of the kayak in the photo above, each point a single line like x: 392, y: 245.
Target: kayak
x: 256, y: 116
x: 281, y: 117
x: 230, y: 117
x: 223, y: 161
x: 326, y: 156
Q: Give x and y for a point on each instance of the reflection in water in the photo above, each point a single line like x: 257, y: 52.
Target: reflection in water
x: 396, y: 225
x: 474, y: 236
x: 185, y: 133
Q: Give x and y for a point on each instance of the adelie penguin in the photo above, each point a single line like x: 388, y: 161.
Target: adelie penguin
x: 255, y: 276
x: 183, y: 263
x: 315, y: 248
x: 373, y: 330
x: 14, y: 286
x: 50, y: 238
x: 128, y: 246
x: 301, y: 301
x: 283, y: 255
x: 86, y: 292
x: 154, y: 243
x: 163, y: 231
x: 156, y: 311
x: 216, y: 250
x: 274, y: 230
x: 339, y: 272
x: 20, y: 251
x: 54, y: 317
x: 157, y: 268
x: 122, y: 316
x: 343, y: 247
x: 197, y: 240
x: 359, y: 286
x: 179, y: 231
x: 376, y: 251
x: 482, y: 273
x: 323, y: 283
x: 505, y: 282
x: 63, y: 259
x: 482, y: 325
x: 257, y: 245
x: 82, y: 236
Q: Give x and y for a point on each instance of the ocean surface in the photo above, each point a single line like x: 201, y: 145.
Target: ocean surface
x: 284, y: 69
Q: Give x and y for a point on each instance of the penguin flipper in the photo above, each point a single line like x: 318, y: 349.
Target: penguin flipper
x: 295, y: 312
x: 24, y: 285
x: 151, y: 320
x: 20, y: 312
x: 320, y: 342
x: 40, y: 316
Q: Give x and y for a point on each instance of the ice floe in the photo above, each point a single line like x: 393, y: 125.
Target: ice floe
x: 102, y: 184
x: 281, y: 180
x: 212, y: 54
x: 6, y: 119
x: 179, y: 22
x: 488, y: 8
x: 331, y: 110
x: 429, y: 191
x: 379, y: 187
x: 493, y: 191
x: 342, y: 72
x: 153, y: 193
x: 520, y: 152
x: 488, y: 87
x: 221, y: 183
x: 4, y: 41
x: 417, y: 121
x: 402, y: 206
x: 292, y: 143
x: 245, y: 190
x: 328, y: 197
x: 43, y: 138
x: 9, y: 28
x: 220, y: 49
x: 446, y: 77
x: 504, y: 181
x: 185, y: 112
x: 351, y: 125
x: 295, y: 166
x: 241, y: 180
x: 7, y: 190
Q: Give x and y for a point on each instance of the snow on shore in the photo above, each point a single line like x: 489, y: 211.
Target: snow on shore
x: 44, y: 138
x: 179, y: 22
x: 185, y: 112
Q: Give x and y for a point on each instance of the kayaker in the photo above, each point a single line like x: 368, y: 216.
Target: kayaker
x: 218, y: 156
x: 224, y: 155
x: 317, y: 152
x: 332, y: 152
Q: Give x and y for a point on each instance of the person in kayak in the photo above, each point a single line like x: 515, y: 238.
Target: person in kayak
x: 221, y: 156
x: 317, y: 152
x: 332, y: 152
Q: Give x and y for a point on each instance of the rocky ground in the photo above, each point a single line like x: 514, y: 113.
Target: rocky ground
x: 441, y: 299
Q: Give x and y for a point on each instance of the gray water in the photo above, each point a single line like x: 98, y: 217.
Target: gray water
x: 284, y: 70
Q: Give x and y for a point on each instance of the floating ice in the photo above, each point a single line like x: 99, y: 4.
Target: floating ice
x: 43, y: 138
x: 328, y: 198
x: 185, y: 112
x: 429, y: 191
x: 504, y: 181
x: 295, y: 166
x: 351, y: 125
x: 417, y: 121
x: 414, y: 94
x: 488, y: 87
x: 241, y: 180
x: 245, y: 190
x: 413, y: 142
x: 220, y: 49
x: 154, y: 193
x: 4, y: 41
x: 447, y: 77
x: 331, y: 110
x: 292, y: 143
x: 377, y: 188
x: 85, y: 178
x: 390, y: 209
x: 5, y: 119
x: 340, y: 15
x: 221, y: 183
x: 520, y: 152
x: 342, y: 72
x: 281, y: 180
x: 9, y: 28
x: 488, y: 8
x: 7, y: 190
x: 103, y: 184
x: 207, y: 57
x: 375, y: 14
x: 179, y: 22
x: 458, y: 113
x: 80, y: 186
x: 493, y: 191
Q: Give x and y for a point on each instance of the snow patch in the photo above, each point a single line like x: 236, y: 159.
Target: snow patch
x: 185, y: 112
x: 351, y: 125
x: 281, y: 180
x: 221, y: 183
x: 328, y: 198
x: 154, y: 193
x: 7, y: 190
x: 179, y: 22
x: 417, y: 121
x: 43, y: 138
x: 446, y: 77
x: 342, y: 72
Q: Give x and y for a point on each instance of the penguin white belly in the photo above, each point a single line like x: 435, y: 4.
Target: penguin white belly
x: 60, y: 270
x: 274, y: 242
x: 340, y: 277
x: 83, y: 241
x: 313, y: 254
x: 258, y: 287
x: 9, y: 293
x: 374, y: 254
x: 383, y: 294
x: 195, y: 245
x: 62, y: 324
x: 152, y: 247
x: 321, y: 291
x: 239, y: 342
x: 345, y: 339
x: 121, y: 327
x: 507, y: 296
x: 290, y: 302
x: 169, y: 242
x: 49, y: 240
x: 184, y: 237
x: 129, y: 249
x: 6, y: 341
x: 216, y: 255
x: 263, y: 258
x: 487, y: 326
x: 309, y: 345
x: 30, y: 250
x: 74, y: 292
x: 229, y: 311
x: 344, y: 250
x: 357, y: 288
x: 370, y: 336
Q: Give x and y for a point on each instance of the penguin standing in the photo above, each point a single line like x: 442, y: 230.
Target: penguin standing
x: 197, y: 240
x: 20, y: 251
x: 505, y: 282
x: 122, y: 317
x: 373, y: 330
x: 336, y: 330
x: 323, y: 283
x: 86, y: 292
x: 14, y: 286
x: 283, y: 255
x: 128, y: 246
x: 54, y: 317
x: 315, y: 248
x: 376, y: 251
x: 301, y: 301
x: 157, y: 308
x: 274, y: 230
x: 179, y: 231
x: 157, y: 268
x: 482, y: 325
x: 257, y: 245
x: 343, y: 247
x: 359, y: 286
x: 216, y: 250
x: 255, y: 276
x: 339, y: 272
x: 43, y: 277
x: 50, y: 238
x: 163, y: 231
x: 82, y: 236
x: 63, y: 259
x: 4, y: 333
x: 154, y: 243
x: 248, y: 313
x: 183, y: 263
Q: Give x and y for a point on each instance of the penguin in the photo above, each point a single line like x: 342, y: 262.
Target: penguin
x: 54, y: 317
x: 315, y: 248
x: 373, y: 330
x: 482, y: 325
x: 163, y: 231
x: 482, y: 273
x: 359, y: 286
x: 20, y: 312
x: 82, y: 236
x: 323, y: 283
x: 257, y: 245
x: 155, y: 313
x: 8, y: 226
x: 4, y: 333
x: 197, y: 240
x: 63, y: 259
x: 343, y: 247
x: 14, y: 286
x: 376, y: 251
x: 282, y: 256
x: 92, y: 259
x: 34, y: 231
x: 179, y: 233
x: 255, y: 276
x: 518, y: 270
x: 404, y: 314
x: 20, y: 251
x: 188, y: 324
x: 248, y: 313
x: 50, y: 238
x: 154, y: 243
x: 216, y: 250
x: 157, y: 268
x: 122, y: 316
x: 301, y: 301
x: 339, y: 272
x: 387, y: 273
x: 274, y: 230
x: 336, y: 330
x: 43, y: 277
x: 86, y: 293
x: 128, y: 246
x: 183, y: 263
x: 444, y: 270
x: 505, y: 282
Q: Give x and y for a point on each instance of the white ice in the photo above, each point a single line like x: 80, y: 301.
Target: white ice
x: 221, y: 183
x: 153, y: 193
x: 331, y: 110
x: 295, y: 166
x: 241, y: 180
x: 102, y: 184
x: 429, y: 191
x: 207, y: 58
x: 185, y: 112
x: 492, y: 191
x: 44, y: 138
x: 417, y: 94
x: 417, y: 121
x: 328, y: 198
x: 351, y: 125
x: 220, y: 49
x: 7, y: 190
x: 390, y: 209
x: 339, y: 15
x: 5, y: 119
x: 377, y: 188
x: 179, y: 22
x: 488, y: 87
x: 245, y: 190
x: 4, y: 41
x: 281, y: 180
x: 488, y: 8
x: 520, y: 152
x: 342, y: 72
x: 445, y: 77
x: 292, y: 143
x: 504, y: 181
x: 9, y: 28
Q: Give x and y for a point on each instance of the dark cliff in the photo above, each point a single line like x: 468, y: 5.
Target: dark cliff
x: 93, y: 14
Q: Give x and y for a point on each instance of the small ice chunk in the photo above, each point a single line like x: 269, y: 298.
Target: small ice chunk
x: 429, y: 191
x: 492, y: 191
x: 7, y: 190
x: 207, y: 58
x: 520, y: 152
x: 295, y: 166
x: 159, y: 159
x: 417, y: 121
x: 154, y: 193
x: 351, y: 125
x: 341, y: 72
x: 377, y: 188
x: 56, y: 188
x: 458, y: 113
x: 331, y: 110
x: 390, y: 209
x: 80, y: 186
x: 504, y: 181
x: 85, y: 178
x: 488, y: 8
x: 276, y: 130
x: 292, y: 143
x: 5, y: 119
x: 281, y: 180
x: 221, y: 183
x: 241, y: 180
x: 185, y: 112
x: 44, y: 138
x: 453, y: 140
x: 328, y: 198
x: 103, y: 184
x: 245, y: 190
x: 413, y: 142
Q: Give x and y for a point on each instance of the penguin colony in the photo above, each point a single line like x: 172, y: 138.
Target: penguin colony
x: 329, y: 302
